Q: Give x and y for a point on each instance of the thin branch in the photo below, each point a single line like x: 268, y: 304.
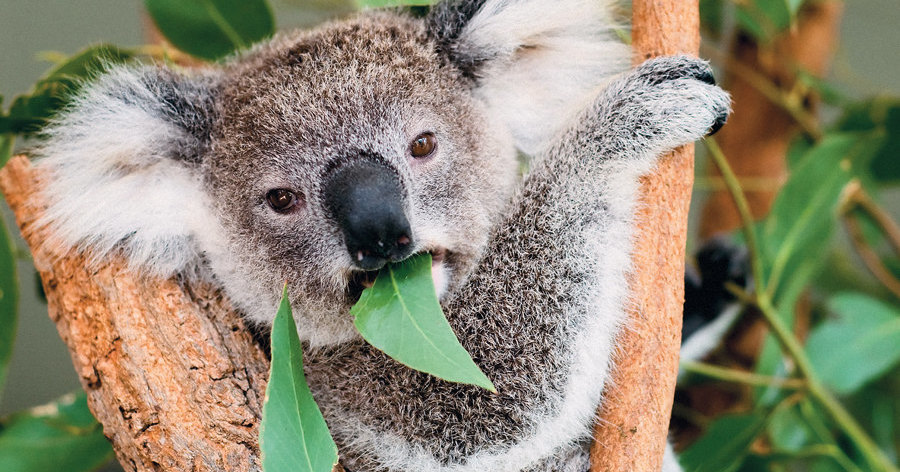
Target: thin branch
x: 856, y: 199
x: 739, y: 376
x: 740, y: 200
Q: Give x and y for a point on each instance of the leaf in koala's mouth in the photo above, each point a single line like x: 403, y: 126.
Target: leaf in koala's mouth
x: 401, y: 316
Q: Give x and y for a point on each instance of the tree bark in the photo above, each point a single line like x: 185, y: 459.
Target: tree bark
x: 634, y: 419
x: 169, y: 369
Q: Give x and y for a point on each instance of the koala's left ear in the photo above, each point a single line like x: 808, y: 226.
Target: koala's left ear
x: 121, y: 166
x: 535, y: 62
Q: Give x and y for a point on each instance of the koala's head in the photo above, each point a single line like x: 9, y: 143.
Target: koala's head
x: 318, y: 157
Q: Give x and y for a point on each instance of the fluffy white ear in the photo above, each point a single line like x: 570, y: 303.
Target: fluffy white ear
x: 535, y: 62
x: 121, y: 165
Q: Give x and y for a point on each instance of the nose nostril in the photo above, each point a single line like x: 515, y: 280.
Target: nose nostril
x: 403, y: 240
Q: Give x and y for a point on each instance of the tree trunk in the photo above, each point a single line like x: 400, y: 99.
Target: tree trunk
x: 631, y: 433
x: 169, y: 369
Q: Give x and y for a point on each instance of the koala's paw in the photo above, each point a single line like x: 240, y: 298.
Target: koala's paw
x: 670, y: 101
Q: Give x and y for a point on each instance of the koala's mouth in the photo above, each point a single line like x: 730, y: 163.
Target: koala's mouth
x: 362, y: 280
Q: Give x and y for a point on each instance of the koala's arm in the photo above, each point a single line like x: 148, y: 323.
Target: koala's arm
x: 551, y: 292
x: 541, y: 312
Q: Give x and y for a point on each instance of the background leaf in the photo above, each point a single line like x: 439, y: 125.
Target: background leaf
x: 6, y: 147
x: 879, y: 114
x: 212, y: 29
x: 28, y: 113
x: 400, y: 315
x: 725, y: 445
x: 857, y: 347
x: 293, y: 435
x: 60, y: 436
x: 9, y: 297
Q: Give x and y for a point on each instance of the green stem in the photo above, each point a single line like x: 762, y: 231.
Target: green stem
x: 820, y: 450
x: 739, y: 376
x: 740, y: 200
x: 789, y: 343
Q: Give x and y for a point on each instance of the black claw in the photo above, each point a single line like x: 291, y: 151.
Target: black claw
x: 706, y: 76
x: 720, y: 122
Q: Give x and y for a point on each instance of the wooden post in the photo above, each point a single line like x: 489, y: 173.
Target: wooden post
x: 634, y: 419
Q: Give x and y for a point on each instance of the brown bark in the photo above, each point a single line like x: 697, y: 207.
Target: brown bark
x: 169, y: 369
x: 631, y: 434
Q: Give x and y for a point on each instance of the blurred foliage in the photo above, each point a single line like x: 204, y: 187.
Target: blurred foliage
x: 61, y: 436
x: 846, y: 414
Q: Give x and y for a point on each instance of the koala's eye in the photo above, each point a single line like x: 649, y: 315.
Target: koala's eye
x: 423, y: 146
x: 282, y: 200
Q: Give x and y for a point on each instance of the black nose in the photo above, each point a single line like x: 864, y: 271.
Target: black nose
x: 366, y: 200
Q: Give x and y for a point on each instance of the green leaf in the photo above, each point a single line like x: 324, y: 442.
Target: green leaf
x: 28, y: 113
x: 764, y: 18
x: 6, y: 147
x: 712, y: 14
x: 789, y: 431
x: 725, y: 445
x: 794, y: 6
x: 59, y: 436
x: 88, y: 61
x: 392, y: 3
x: 293, y: 435
x: 802, y: 220
x: 881, y: 114
x: 401, y: 316
x: 212, y: 29
x: 857, y: 347
x: 9, y: 298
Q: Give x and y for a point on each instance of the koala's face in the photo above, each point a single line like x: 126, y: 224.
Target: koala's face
x: 340, y: 150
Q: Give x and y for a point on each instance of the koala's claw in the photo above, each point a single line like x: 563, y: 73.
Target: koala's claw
x: 720, y: 122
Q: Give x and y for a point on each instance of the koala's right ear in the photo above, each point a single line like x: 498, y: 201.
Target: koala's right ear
x: 122, y: 167
x: 535, y: 62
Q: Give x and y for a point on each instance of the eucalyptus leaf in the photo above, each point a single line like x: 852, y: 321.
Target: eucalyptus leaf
x: 802, y: 220
x: 857, y: 347
x: 764, y: 18
x: 59, y: 436
x: 9, y: 298
x: 293, y: 435
x: 212, y: 29
x: 28, y: 113
x: 725, y: 445
x: 7, y: 141
x: 401, y: 316
x: 712, y: 14
x: 882, y: 114
x: 800, y: 227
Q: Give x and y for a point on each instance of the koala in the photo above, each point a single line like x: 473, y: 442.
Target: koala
x: 320, y: 156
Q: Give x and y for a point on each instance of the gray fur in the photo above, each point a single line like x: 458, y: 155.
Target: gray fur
x: 535, y: 270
